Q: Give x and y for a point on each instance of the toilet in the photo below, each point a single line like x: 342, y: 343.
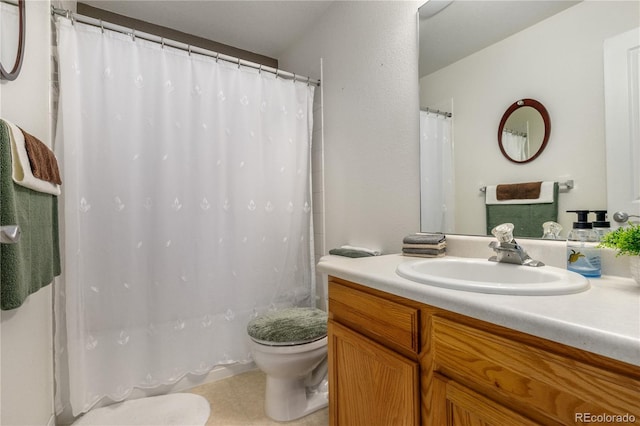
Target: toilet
x: 290, y: 347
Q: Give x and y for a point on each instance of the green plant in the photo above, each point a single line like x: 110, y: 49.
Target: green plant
x: 625, y: 239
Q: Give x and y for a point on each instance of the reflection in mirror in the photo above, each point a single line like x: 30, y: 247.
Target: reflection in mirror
x: 477, y: 57
x: 524, y: 131
x: 12, y: 24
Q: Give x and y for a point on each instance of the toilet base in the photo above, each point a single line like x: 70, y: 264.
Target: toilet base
x: 288, y: 399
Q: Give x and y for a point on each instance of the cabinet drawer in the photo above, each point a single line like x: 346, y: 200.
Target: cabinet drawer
x: 385, y: 321
x: 545, y: 386
x: 459, y: 406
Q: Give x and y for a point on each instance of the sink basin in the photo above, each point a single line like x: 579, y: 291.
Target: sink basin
x: 483, y: 276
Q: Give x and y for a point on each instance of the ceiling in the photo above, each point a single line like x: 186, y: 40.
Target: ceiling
x: 264, y: 27
x: 269, y: 27
x: 464, y: 27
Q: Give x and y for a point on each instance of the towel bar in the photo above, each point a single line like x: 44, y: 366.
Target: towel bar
x: 563, y: 186
x: 9, y: 234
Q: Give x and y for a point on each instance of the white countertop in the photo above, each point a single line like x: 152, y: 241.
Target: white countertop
x: 604, y: 319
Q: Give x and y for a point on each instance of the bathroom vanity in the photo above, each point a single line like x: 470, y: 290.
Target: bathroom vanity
x: 404, y: 353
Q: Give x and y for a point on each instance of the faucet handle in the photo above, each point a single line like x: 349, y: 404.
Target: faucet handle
x: 503, y: 232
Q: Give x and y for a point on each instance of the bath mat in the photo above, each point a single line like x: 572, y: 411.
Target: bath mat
x: 177, y: 409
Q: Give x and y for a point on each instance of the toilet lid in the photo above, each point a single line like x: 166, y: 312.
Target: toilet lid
x: 290, y: 326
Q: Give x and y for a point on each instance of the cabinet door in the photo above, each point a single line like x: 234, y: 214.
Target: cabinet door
x: 370, y: 384
x: 456, y: 405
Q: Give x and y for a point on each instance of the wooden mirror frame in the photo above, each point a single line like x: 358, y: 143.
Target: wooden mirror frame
x: 17, y: 65
x: 545, y: 118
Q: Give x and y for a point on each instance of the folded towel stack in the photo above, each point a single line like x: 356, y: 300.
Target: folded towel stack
x: 424, y: 245
x: 351, y: 251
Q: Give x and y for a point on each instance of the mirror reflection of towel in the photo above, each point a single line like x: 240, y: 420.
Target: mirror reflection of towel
x: 521, y: 191
x: 526, y: 215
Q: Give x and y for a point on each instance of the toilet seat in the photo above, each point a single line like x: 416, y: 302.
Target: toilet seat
x: 290, y: 347
x: 288, y: 327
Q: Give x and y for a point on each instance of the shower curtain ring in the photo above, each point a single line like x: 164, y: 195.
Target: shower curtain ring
x: 308, y: 81
x: 239, y: 63
x: 277, y: 71
x: 217, y: 55
x: 260, y: 69
x: 294, y: 77
x: 189, y: 49
x: 162, y: 42
x: 133, y: 34
x: 101, y: 26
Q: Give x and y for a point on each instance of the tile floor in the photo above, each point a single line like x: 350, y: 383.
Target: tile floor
x: 239, y: 401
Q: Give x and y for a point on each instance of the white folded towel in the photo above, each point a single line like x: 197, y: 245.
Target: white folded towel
x: 21, y: 173
x: 546, y: 195
x: 364, y: 249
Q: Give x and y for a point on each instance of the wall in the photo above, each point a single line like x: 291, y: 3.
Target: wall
x: 558, y: 62
x: 26, y: 361
x: 370, y: 96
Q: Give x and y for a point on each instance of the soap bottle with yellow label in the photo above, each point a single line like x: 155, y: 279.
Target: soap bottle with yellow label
x: 583, y: 256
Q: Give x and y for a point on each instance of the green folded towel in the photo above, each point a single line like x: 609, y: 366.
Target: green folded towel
x: 30, y: 264
x: 432, y: 239
x: 350, y: 252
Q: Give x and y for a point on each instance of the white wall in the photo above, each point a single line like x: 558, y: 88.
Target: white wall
x: 559, y: 63
x: 370, y: 87
x: 26, y: 366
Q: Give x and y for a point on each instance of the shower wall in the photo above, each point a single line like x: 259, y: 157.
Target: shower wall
x: 26, y: 360
x: 370, y: 125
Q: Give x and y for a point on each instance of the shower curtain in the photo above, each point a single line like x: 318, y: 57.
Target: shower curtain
x: 516, y: 145
x: 437, y: 186
x: 187, y: 210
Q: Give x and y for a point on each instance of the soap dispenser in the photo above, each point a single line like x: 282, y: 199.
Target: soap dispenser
x: 583, y: 256
x: 601, y: 226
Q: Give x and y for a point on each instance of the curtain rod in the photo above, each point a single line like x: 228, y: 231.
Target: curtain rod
x: 131, y: 32
x: 515, y: 132
x: 437, y: 111
x: 11, y: 2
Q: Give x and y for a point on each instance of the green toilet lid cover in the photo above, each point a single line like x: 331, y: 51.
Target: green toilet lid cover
x: 289, y: 326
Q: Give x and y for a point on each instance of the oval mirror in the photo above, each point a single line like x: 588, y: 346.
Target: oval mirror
x: 524, y: 131
x: 12, y: 27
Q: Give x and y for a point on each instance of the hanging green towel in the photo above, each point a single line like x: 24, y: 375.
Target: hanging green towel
x: 527, y: 218
x: 30, y: 264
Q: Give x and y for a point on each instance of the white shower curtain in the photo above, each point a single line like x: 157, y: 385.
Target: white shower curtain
x: 437, y: 186
x: 515, y: 145
x: 187, y: 209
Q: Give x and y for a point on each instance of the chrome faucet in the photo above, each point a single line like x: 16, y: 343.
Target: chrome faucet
x: 507, y: 249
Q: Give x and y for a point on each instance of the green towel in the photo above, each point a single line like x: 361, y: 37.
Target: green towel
x: 349, y: 252
x: 421, y: 238
x: 30, y: 264
x: 527, y: 218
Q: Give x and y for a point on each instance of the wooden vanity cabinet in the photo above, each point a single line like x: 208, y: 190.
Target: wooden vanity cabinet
x: 394, y: 361
x: 373, y: 356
